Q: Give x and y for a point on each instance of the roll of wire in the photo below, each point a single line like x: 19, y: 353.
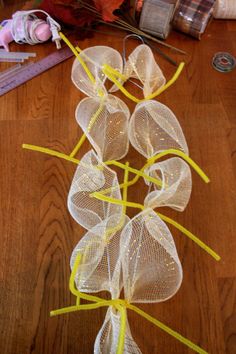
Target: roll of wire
x: 223, y: 62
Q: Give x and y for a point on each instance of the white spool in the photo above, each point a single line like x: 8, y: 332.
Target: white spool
x: 225, y: 9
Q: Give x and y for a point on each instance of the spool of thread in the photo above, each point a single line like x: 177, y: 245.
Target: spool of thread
x: 223, y: 62
x: 156, y: 17
x: 225, y: 9
x: 192, y: 17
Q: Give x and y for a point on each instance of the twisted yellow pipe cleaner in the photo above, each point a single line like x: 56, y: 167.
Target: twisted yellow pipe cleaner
x: 121, y: 325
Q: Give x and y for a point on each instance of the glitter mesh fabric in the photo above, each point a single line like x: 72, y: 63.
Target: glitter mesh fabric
x: 176, y: 188
x: 100, y: 268
x: 92, y: 176
x: 151, y: 268
x: 141, y: 65
x: 105, y: 123
x: 95, y: 57
x: 153, y: 128
x: 107, y: 338
x: 151, y: 273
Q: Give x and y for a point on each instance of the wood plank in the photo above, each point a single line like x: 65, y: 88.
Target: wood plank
x: 227, y: 293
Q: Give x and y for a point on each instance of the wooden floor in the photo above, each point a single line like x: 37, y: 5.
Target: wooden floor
x: 38, y: 235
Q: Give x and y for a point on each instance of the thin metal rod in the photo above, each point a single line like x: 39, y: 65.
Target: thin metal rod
x: 159, y: 51
x: 132, y: 35
x: 130, y: 28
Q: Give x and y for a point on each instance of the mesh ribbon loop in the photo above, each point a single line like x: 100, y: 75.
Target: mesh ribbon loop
x: 166, y: 219
x: 121, y: 306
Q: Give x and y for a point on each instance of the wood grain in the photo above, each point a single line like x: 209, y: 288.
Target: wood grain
x: 38, y: 235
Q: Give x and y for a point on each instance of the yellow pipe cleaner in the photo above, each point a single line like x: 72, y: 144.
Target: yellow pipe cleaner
x: 119, y: 226
x: 76, y: 161
x: 111, y: 73
x: 181, y: 154
x: 92, y: 79
x: 164, y: 218
x: 75, y: 52
x: 91, y: 123
x: 153, y: 159
x: 121, y: 306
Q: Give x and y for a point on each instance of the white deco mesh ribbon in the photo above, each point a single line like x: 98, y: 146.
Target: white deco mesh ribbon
x: 107, y: 338
x: 176, y: 178
x: 100, y: 267
x: 92, y: 176
x: 95, y: 57
x: 153, y: 128
x: 100, y: 270
x: 151, y: 268
x: 105, y: 123
x: 151, y: 272
x: 141, y: 65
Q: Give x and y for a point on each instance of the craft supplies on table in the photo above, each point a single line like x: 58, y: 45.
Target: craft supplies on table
x: 225, y: 9
x: 117, y: 253
x: 9, y: 71
x: 10, y: 74
x: 26, y: 27
x: 192, y: 17
x: 27, y: 72
x: 17, y: 57
x: 121, y: 24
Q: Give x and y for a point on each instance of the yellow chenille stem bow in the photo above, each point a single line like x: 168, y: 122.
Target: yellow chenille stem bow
x: 71, y: 157
x: 60, y: 155
x: 165, y: 218
x: 113, y: 74
x: 138, y: 173
x: 120, y: 305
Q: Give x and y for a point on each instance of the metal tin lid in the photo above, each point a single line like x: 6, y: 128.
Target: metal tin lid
x: 223, y: 62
